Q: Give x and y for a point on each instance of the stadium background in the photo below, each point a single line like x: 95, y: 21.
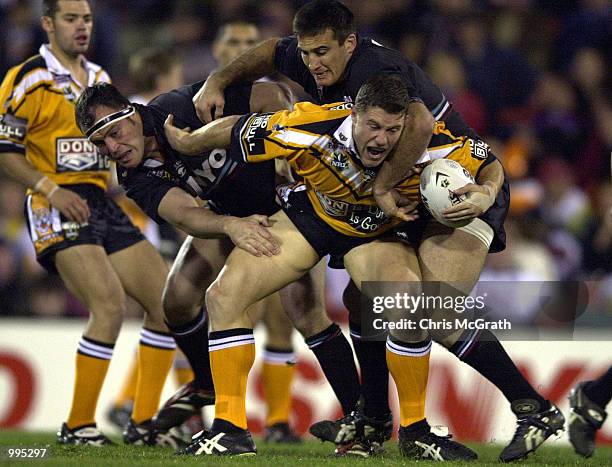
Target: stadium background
x: 528, y: 75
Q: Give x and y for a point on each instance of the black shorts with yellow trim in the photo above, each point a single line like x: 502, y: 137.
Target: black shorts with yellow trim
x: 108, y: 226
x: 323, y: 238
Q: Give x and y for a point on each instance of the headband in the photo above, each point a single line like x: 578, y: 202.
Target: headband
x: 109, y: 120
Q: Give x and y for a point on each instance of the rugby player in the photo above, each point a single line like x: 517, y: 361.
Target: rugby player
x: 336, y: 150
x: 152, y: 71
x: 76, y: 230
x: 588, y: 402
x: 279, y: 361
x: 331, y: 61
x: 165, y: 184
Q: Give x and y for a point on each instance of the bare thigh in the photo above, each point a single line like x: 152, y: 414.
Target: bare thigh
x: 142, y: 272
x: 451, y: 262
x: 395, y: 268
x: 246, y: 279
x: 89, y: 275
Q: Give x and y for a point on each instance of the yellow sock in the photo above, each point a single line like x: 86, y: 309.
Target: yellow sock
x: 232, y: 354
x: 277, y: 375
x: 409, y: 366
x: 128, y: 390
x: 155, y: 355
x: 92, y: 362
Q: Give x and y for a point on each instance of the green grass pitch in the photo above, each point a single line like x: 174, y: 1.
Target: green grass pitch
x: 308, y: 454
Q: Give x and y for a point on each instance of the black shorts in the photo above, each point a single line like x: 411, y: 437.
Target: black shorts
x: 50, y: 231
x: 323, y: 238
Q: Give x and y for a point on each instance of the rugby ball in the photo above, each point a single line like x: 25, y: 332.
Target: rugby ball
x: 438, y: 181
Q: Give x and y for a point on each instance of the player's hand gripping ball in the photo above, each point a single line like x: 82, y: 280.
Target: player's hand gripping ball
x: 438, y: 182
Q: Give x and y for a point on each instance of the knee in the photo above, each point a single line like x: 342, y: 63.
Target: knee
x: 107, y: 316
x: 223, y: 312
x: 178, y: 308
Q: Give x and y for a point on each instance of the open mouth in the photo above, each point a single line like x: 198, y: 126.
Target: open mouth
x: 82, y: 39
x: 375, y: 153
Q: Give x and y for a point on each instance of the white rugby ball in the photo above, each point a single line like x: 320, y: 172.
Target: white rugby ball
x: 438, y: 181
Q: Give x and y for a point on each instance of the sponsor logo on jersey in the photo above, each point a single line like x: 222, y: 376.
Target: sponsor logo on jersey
x: 480, y: 149
x: 78, y: 155
x: 344, y: 106
x: 363, y: 218
x: 339, y: 160
x: 12, y: 127
x: 368, y: 175
x: 255, y: 132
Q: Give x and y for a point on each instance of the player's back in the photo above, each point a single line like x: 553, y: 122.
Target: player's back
x: 230, y: 187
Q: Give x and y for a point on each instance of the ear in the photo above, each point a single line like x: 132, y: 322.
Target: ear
x: 46, y: 22
x: 350, y: 43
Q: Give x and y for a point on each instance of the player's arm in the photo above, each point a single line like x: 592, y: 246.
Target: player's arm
x: 14, y: 135
x: 254, y: 63
x: 413, y: 142
x: 270, y: 97
x: 70, y: 204
x: 481, y: 195
x: 217, y: 134
x: 249, y: 233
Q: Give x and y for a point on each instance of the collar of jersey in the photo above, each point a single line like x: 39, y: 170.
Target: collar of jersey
x: 344, y: 134
x: 55, y: 67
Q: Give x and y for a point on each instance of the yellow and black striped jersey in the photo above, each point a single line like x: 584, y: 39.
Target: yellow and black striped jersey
x: 317, y: 141
x: 37, y: 101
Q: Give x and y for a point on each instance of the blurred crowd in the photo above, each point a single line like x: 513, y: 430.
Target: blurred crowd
x: 528, y: 75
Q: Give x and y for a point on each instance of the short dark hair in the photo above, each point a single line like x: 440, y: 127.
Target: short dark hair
x: 99, y: 94
x: 317, y: 16
x: 384, y: 90
x: 50, y: 7
x: 147, y: 65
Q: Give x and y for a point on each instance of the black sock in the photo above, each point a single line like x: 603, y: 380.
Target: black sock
x: 192, y: 339
x: 372, y: 357
x: 599, y: 391
x: 483, y: 352
x: 335, y: 356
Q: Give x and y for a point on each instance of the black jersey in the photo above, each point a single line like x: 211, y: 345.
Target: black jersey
x: 231, y: 188
x: 369, y: 59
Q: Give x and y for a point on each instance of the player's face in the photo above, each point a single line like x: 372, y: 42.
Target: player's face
x: 236, y: 39
x: 325, y: 57
x: 70, y: 28
x: 122, y: 142
x: 376, y: 132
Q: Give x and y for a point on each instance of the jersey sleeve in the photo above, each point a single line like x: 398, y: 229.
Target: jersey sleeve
x: 19, y: 107
x: 286, y: 134
x: 287, y: 61
x: 147, y: 192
